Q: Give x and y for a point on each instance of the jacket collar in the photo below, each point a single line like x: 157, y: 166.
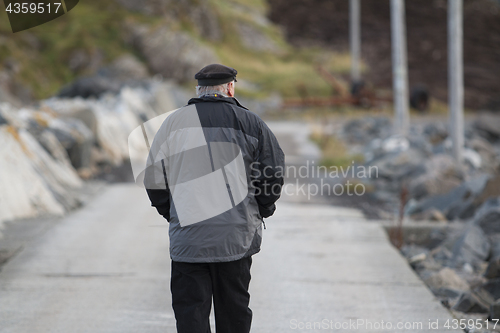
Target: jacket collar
x: 213, y: 99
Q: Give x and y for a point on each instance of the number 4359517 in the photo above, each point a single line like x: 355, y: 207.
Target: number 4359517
x: 33, y: 8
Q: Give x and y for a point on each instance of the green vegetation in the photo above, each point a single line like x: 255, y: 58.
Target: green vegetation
x: 99, y: 28
x: 94, y: 27
x: 334, y: 152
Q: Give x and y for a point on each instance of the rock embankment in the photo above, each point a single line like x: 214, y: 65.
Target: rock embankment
x: 461, y: 263
x: 49, y: 150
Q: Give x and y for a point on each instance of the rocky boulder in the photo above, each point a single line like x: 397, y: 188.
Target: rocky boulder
x: 255, y: 39
x: 457, y: 203
x: 442, y: 174
x: 364, y: 130
x: 445, y: 278
x: 200, y: 14
x: 173, y: 54
x: 495, y: 311
x: 493, y: 288
x: 435, y: 132
x: 468, y: 246
x: 36, y: 168
x: 489, y: 157
x: 493, y: 268
x: 488, y: 126
x: 125, y: 68
x: 400, y: 165
x: 86, y: 87
x: 473, y: 302
x: 488, y: 216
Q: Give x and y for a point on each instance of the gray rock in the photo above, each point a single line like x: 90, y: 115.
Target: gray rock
x: 442, y: 255
x: 125, y: 68
x: 205, y: 20
x: 254, y: 39
x: 493, y: 269
x: 67, y: 134
x: 488, y: 216
x: 430, y: 215
x: 445, y: 278
x: 426, y: 267
x: 12, y: 91
x: 473, y: 159
x: 468, y: 246
x: 78, y: 60
x: 398, y: 166
x: 173, y: 54
x: 458, y: 203
x: 93, y: 86
x: 488, y: 126
x: 365, y: 129
x: 72, y: 110
x: 3, y: 121
x: 495, y: 311
x: 33, y: 196
x: 485, y: 295
x: 447, y: 292
x: 82, y: 61
x: 493, y: 288
x: 440, y: 148
x: 495, y: 245
x: 200, y: 14
x: 491, y: 190
x: 465, y: 248
x: 412, y: 250
x: 77, y: 139
x: 470, y: 303
x: 487, y: 152
x: 435, y: 132
x: 442, y: 174
x: 417, y: 141
x: 395, y: 144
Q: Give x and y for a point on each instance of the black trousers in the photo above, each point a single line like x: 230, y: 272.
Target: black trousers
x: 194, y: 284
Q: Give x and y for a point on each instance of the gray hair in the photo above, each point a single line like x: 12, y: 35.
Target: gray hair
x: 207, y: 90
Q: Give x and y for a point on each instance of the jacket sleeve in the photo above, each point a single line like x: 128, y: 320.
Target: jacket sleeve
x: 158, y: 191
x: 271, y: 165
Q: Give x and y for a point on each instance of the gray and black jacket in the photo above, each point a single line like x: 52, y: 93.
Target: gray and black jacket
x: 215, y: 170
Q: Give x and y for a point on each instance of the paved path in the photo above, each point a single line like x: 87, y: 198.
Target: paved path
x: 105, y: 268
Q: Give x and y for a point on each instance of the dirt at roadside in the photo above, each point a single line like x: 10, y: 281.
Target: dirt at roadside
x: 325, y: 22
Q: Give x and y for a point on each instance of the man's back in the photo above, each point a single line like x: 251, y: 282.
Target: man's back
x: 214, y: 153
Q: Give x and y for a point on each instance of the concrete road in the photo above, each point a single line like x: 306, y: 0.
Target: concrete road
x: 106, y: 267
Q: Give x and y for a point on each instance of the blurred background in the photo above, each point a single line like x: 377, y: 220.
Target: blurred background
x: 73, y: 89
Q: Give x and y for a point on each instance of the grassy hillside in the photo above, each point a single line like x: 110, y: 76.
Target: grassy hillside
x: 40, y: 56
x: 43, y: 52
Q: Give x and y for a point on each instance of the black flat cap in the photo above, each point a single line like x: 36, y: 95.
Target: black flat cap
x: 215, y: 74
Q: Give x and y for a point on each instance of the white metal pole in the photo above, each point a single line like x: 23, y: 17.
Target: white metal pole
x: 399, y: 66
x: 456, y: 76
x: 355, y: 38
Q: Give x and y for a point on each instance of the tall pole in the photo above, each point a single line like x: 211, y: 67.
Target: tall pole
x: 355, y: 39
x: 400, y: 66
x: 456, y: 76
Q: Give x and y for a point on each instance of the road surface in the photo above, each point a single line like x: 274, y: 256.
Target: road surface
x: 105, y: 268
